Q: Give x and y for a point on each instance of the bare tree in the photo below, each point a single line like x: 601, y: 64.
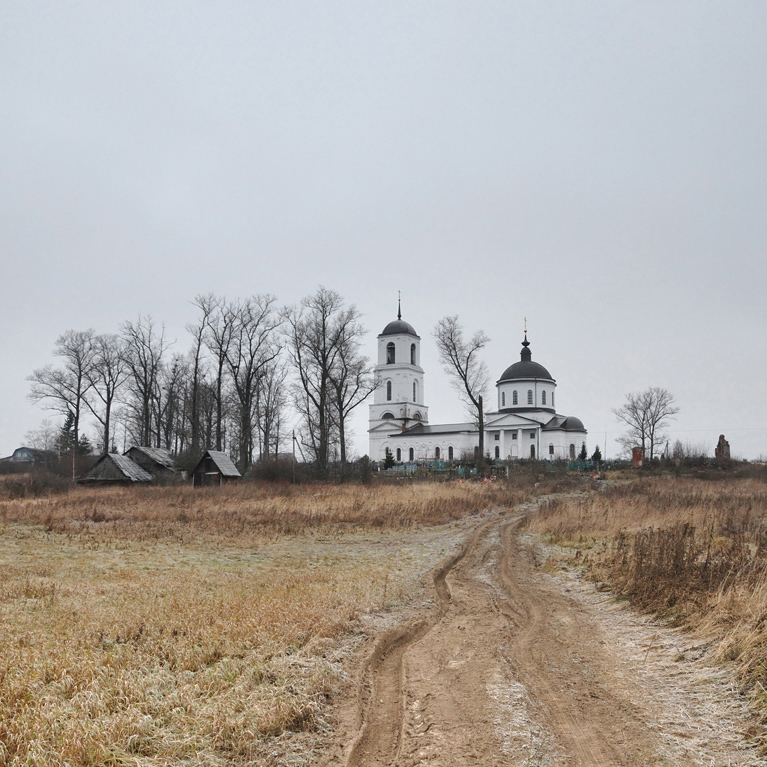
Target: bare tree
x: 43, y: 438
x: 218, y: 340
x: 646, y: 413
x: 106, y: 375
x: 145, y: 347
x: 206, y: 304
x: 351, y: 377
x: 171, y: 394
x: 469, y: 374
x: 64, y: 389
x: 314, y: 341
x: 252, y: 347
x: 271, y: 403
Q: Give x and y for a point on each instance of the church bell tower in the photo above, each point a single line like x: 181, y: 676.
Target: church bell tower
x: 398, y: 400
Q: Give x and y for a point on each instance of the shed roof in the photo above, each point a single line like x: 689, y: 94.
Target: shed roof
x: 158, y: 454
x: 129, y: 469
x: 222, y: 461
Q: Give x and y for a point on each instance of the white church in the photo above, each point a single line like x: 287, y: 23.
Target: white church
x: 524, y: 425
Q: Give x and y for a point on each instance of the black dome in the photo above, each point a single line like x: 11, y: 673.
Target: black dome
x: 399, y: 326
x: 525, y: 368
x: 571, y: 423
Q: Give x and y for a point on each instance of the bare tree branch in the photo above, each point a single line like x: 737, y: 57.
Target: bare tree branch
x: 461, y: 361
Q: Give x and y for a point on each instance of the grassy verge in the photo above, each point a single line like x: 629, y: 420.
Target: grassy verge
x: 144, y: 626
x: 693, y: 552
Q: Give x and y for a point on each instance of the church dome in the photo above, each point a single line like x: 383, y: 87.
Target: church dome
x: 398, y: 326
x: 525, y: 368
x: 395, y: 327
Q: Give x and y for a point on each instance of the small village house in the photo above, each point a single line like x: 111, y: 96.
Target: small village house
x: 213, y: 469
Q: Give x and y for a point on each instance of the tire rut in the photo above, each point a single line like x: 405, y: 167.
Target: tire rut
x: 382, y: 690
x: 585, y: 717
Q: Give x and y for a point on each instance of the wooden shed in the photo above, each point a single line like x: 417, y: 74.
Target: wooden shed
x: 214, y: 468
x: 156, y: 460
x: 115, y: 469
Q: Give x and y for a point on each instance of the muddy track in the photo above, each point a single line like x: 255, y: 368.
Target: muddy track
x: 510, y: 668
x: 381, y: 697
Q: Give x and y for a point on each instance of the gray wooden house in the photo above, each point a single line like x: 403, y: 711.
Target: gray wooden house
x: 213, y: 469
x: 156, y: 460
x: 115, y: 469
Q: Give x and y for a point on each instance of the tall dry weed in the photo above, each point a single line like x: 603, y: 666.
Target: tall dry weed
x: 693, y: 552
x: 154, y: 625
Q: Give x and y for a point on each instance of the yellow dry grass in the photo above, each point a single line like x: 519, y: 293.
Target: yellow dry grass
x: 151, y: 625
x: 693, y: 551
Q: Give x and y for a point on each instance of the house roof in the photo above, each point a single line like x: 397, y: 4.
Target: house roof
x: 158, y: 454
x: 223, y: 463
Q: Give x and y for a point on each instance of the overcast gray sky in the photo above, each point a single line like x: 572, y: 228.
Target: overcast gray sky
x: 598, y: 167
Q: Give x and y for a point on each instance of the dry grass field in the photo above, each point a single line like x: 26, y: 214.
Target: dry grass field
x: 692, y: 551
x: 147, y: 625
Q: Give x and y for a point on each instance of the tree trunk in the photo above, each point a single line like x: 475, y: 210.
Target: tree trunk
x: 481, y: 412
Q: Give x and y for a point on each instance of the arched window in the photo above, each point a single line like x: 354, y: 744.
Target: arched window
x: 417, y: 415
x: 415, y: 391
x: 514, y: 400
x: 412, y: 354
x: 450, y: 453
x: 497, y: 451
x: 503, y: 399
x: 436, y: 453
x: 390, y: 353
x: 399, y: 454
x: 388, y: 391
x: 386, y: 416
x: 572, y: 452
x: 412, y: 454
x: 529, y: 396
x: 551, y: 449
x: 543, y: 397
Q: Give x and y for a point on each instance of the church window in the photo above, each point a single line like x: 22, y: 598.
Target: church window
x: 497, y: 435
x: 399, y: 454
x: 514, y: 400
x: 436, y: 453
x: 415, y: 391
x: 514, y: 434
x: 412, y: 453
x: 503, y: 399
x: 387, y: 416
x: 417, y: 416
x: 412, y: 354
x: 450, y: 453
x: 551, y: 449
x: 497, y: 451
x: 532, y: 435
x: 543, y: 397
x: 390, y: 353
x: 572, y: 452
x: 529, y: 396
x: 388, y: 391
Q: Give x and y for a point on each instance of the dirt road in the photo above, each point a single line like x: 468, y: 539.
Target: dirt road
x: 511, y: 666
